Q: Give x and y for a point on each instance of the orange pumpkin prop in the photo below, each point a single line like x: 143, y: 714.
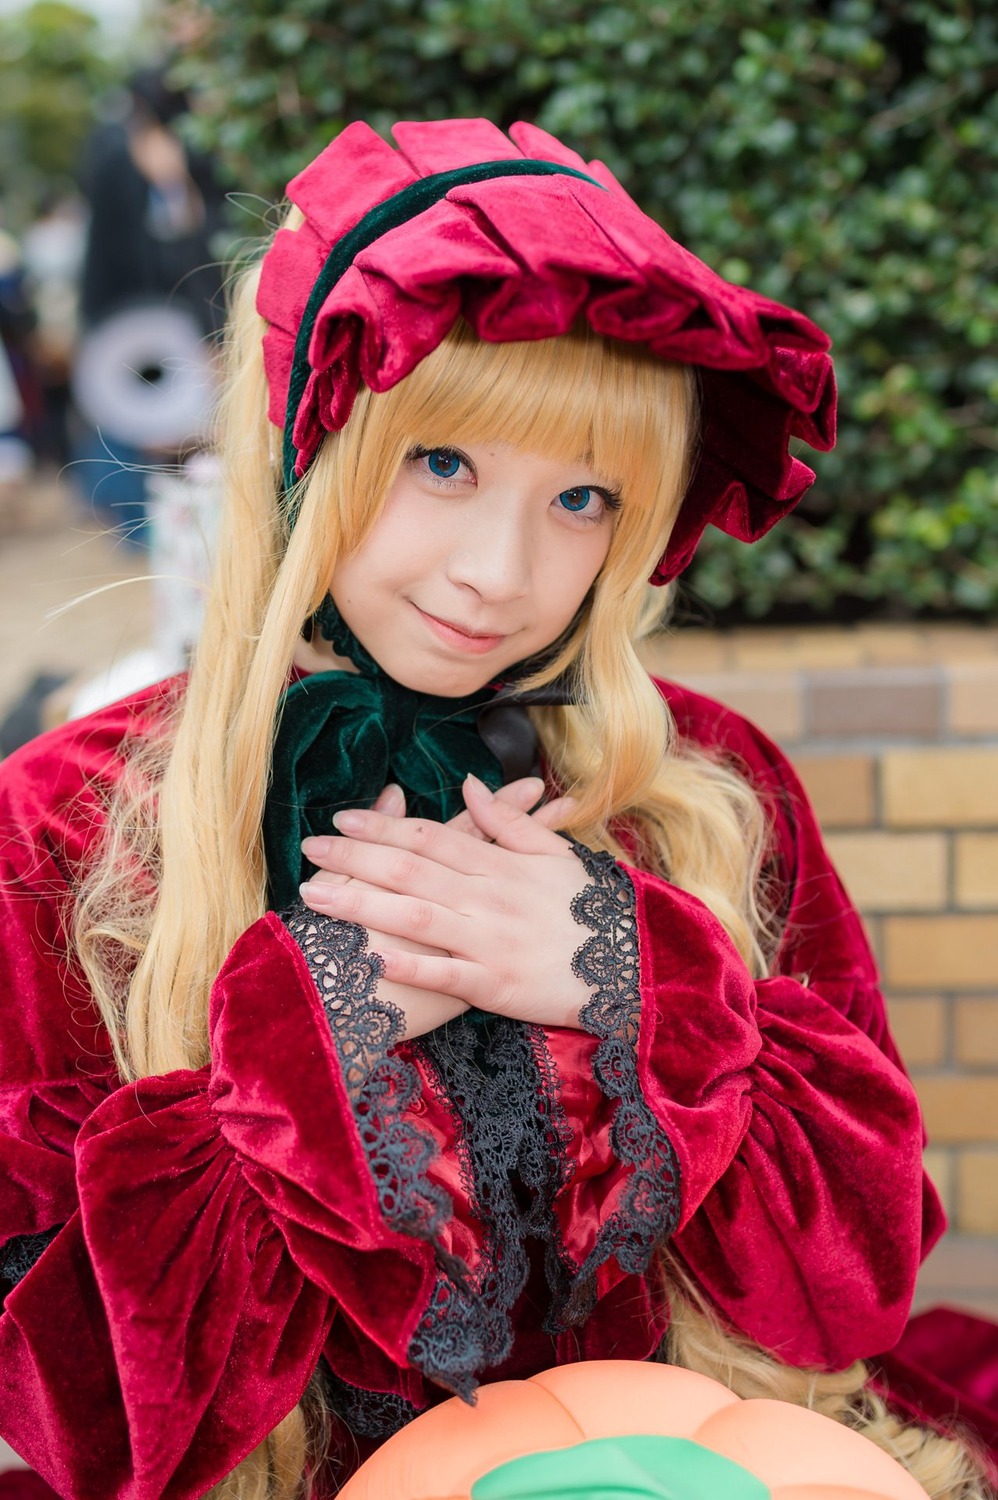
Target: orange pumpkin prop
x: 797, y: 1454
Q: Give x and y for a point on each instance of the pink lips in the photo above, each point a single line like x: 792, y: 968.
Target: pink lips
x: 464, y: 640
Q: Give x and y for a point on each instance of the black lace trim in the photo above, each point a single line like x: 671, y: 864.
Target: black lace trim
x: 380, y: 1085
x: 609, y: 963
x: 368, y: 1414
x: 553, y: 1138
x: 493, y: 1075
x: 21, y: 1252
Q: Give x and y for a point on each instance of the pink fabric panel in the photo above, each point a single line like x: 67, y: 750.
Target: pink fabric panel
x: 431, y: 146
x: 365, y: 170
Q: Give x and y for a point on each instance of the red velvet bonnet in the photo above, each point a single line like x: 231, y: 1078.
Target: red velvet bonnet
x: 520, y: 237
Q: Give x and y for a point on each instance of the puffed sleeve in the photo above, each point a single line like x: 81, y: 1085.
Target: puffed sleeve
x: 802, y: 1211
x: 215, y: 1222
x: 180, y: 1247
x: 765, y: 1128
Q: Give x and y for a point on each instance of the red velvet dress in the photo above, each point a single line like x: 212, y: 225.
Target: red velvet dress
x: 480, y: 1203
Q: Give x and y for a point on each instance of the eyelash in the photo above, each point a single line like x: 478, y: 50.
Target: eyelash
x: 415, y: 454
x: 611, y: 501
x: 611, y: 498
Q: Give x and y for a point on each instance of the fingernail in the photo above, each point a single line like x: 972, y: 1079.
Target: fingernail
x: 351, y: 821
x: 309, y: 890
x: 394, y: 797
x: 478, y: 786
x: 532, y: 786
x: 315, y: 844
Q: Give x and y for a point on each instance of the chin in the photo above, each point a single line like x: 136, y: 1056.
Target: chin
x: 443, y: 680
x: 448, y: 685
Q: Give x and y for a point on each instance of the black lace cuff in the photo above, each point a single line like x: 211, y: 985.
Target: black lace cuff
x: 446, y: 1347
x: 20, y: 1253
x: 380, y: 1086
x: 368, y: 1414
x: 609, y: 962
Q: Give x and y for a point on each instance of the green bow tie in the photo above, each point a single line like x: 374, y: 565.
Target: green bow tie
x: 343, y: 738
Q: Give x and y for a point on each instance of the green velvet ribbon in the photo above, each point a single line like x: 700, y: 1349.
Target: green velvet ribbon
x: 622, y: 1468
x: 343, y: 737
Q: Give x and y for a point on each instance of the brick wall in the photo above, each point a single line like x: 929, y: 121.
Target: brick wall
x: 895, y: 733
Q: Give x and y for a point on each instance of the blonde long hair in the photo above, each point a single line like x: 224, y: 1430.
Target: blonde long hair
x: 189, y: 808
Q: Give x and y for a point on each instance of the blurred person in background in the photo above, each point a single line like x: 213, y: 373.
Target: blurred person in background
x: 53, y: 257
x: 20, y: 396
x: 154, y: 206
x: 154, y: 209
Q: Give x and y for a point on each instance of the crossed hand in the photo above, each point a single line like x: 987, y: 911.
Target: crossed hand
x: 474, y: 912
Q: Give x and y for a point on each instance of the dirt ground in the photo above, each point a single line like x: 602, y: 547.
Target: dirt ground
x: 52, y: 553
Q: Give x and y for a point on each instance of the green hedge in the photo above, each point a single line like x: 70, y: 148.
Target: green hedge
x: 839, y: 156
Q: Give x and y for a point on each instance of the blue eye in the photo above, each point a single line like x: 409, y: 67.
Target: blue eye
x: 576, y: 499
x: 443, y: 463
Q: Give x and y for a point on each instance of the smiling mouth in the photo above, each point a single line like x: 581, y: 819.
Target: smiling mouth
x: 460, y: 635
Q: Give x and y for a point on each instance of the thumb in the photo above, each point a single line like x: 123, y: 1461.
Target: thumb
x: 507, y: 825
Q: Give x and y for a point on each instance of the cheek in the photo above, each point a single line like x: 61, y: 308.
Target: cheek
x: 406, y: 538
x: 388, y: 557
x: 572, y: 572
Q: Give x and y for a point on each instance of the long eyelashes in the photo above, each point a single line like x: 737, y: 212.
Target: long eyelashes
x: 441, y: 463
x: 578, y: 501
x: 444, y: 465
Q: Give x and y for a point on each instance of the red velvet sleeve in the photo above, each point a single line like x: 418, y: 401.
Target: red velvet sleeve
x: 768, y: 1127
x: 829, y: 1178
x: 214, y: 1223
x: 799, y: 1145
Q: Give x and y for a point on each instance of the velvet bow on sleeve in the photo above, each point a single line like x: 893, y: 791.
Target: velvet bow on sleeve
x: 765, y: 1128
x: 204, y: 1228
x: 223, y: 1217
x: 804, y: 1208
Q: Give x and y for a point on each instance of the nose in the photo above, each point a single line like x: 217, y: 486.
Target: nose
x: 491, y: 553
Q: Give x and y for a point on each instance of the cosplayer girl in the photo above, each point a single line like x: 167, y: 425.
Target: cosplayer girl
x: 479, y: 1096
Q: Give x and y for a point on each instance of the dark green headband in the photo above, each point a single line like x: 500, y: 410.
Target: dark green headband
x: 394, y: 211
